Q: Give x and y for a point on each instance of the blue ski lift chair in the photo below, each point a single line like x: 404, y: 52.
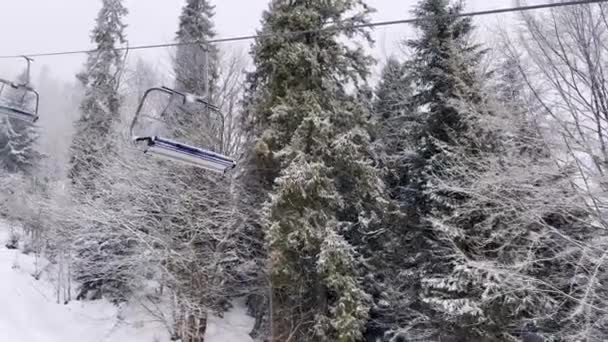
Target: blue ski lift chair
x: 23, y: 106
x: 19, y: 100
x: 152, y: 122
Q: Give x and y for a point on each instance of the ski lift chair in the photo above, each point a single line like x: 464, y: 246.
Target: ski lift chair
x: 19, y: 100
x: 145, y: 130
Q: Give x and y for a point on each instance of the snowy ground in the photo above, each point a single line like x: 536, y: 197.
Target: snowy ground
x: 28, y: 312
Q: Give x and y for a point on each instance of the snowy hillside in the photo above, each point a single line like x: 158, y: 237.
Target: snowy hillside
x: 29, y: 313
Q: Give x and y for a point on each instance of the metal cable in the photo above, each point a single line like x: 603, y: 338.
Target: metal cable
x: 335, y: 27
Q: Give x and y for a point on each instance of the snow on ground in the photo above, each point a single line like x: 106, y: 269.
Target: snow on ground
x: 29, y: 313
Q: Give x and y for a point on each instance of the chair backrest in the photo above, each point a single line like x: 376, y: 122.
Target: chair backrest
x: 18, y: 101
x: 178, y: 116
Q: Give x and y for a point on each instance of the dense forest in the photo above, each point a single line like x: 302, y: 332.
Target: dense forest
x: 460, y: 197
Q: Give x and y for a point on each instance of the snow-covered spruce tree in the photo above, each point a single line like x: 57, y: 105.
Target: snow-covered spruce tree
x: 98, y: 245
x: 196, y: 64
x: 512, y: 94
x: 549, y: 236
x: 18, y: 139
x: 17, y: 146
x: 488, y: 209
x: 196, y: 69
x: 521, y: 240
x: 101, y: 103
x: 310, y: 151
x: 207, y: 196
x: 396, y: 121
x: 442, y: 68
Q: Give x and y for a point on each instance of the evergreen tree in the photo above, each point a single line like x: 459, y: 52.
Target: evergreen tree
x: 201, y: 222
x: 473, y: 181
x: 392, y: 272
x: 18, y: 152
x: 443, y: 64
x: 442, y: 70
x: 18, y: 139
x: 444, y: 67
x: 196, y: 65
x: 394, y: 92
x: 101, y: 103
x: 510, y: 90
x: 396, y: 120
x: 101, y: 250
x: 311, y: 142
x: 499, y: 275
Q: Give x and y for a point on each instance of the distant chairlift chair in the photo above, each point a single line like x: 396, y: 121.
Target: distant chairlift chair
x: 19, y: 100
x: 173, y: 150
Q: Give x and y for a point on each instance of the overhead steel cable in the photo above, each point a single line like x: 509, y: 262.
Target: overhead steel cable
x: 335, y: 27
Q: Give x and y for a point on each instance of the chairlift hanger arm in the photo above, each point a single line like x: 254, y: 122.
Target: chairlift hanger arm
x: 28, y: 60
x: 141, y: 105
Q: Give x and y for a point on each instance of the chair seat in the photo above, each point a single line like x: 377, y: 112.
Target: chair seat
x: 19, y: 114
x: 188, y: 154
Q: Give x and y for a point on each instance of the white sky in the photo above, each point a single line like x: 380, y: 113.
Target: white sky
x: 31, y: 26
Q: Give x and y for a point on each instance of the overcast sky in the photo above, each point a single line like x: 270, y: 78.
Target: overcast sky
x: 31, y: 26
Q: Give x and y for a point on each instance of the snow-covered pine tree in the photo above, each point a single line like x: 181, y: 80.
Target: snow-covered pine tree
x: 394, y: 92
x: 396, y: 120
x: 100, y: 249
x: 511, y: 92
x: 443, y: 65
x: 480, y: 218
x: 196, y: 69
x: 529, y: 217
x: 518, y: 234
x: 101, y: 103
x: 196, y: 64
x: 205, y: 197
x: 18, y: 139
x: 311, y: 142
x: 443, y: 71
x: 395, y: 117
